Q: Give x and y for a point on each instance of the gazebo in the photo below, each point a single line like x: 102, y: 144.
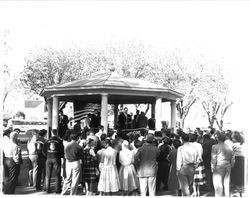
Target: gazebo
x: 110, y: 88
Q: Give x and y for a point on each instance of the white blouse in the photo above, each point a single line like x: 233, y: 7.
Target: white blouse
x: 126, y: 157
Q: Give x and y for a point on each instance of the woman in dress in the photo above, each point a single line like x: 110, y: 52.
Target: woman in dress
x: 199, y: 175
x: 109, y: 178
x: 90, y: 167
x: 127, y: 174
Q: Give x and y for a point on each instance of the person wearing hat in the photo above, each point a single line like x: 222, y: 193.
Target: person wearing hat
x: 146, y: 161
x: 13, y: 159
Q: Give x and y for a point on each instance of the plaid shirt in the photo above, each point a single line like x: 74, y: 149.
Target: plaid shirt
x: 89, y: 166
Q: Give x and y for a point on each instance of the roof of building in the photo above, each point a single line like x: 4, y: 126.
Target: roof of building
x: 112, y: 84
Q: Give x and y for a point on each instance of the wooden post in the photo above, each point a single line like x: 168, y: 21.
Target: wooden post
x: 104, y: 112
x: 49, y: 118
x: 55, y: 108
x: 153, y: 110
x: 158, y: 114
x: 115, y: 115
x: 173, y: 115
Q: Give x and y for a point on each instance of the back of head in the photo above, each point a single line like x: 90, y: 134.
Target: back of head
x: 13, y: 135
x: 35, y: 133
x: 212, y: 130
x: 42, y: 132
x: 103, y: 137
x: 206, y: 136
x: 74, y: 136
x: 229, y: 134
x: 166, y: 140
x: 176, y: 143
x: 192, y: 137
x: 54, y: 132
x: 237, y: 137
x: 221, y: 137
x: 150, y: 138
x: 138, y: 143
x: 125, y: 145
x: 90, y: 142
x: 108, y: 142
x: 185, y: 137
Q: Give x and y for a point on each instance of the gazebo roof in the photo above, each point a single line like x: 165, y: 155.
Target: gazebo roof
x: 121, y: 90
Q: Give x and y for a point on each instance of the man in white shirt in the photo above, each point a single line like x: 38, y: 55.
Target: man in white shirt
x: 12, y: 160
x: 187, y: 160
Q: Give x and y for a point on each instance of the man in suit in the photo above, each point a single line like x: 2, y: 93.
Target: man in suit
x: 63, y: 124
x: 146, y: 161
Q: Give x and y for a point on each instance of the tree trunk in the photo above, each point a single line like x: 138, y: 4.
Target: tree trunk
x: 4, y: 99
x: 182, y: 122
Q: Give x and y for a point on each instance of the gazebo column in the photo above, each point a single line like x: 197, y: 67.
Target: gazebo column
x: 158, y: 115
x: 104, y: 112
x: 173, y: 115
x: 49, y: 118
x: 153, y: 110
x: 55, y: 108
x: 115, y: 115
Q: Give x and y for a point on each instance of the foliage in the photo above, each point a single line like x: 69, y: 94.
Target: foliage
x: 10, y: 77
x: 20, y: 114
x: 195, y: 78
x: 214, y: 98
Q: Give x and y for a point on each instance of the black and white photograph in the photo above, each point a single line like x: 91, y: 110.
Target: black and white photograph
x: 124, y: 98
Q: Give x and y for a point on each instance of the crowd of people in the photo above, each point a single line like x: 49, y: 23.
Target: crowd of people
x: 139, y: 120
x: 136, y: 163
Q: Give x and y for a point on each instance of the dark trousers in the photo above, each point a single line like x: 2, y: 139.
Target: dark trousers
x: 41, y: 172
x: 162, y: 175
x: 13, y: 172
x: 53, y: 163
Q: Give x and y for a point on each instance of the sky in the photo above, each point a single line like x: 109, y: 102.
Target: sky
x: 217, y: 29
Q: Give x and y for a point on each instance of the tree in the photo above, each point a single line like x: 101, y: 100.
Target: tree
x: 223, y: 109
x: 10, y: 76
x: 214, y: 97
x: 48, y: 66
x: 10, y: 81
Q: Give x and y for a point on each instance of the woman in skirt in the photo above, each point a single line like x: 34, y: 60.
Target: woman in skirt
x: 109, y: 178
x: 199, y: 174
x: 237, y: 173
x: 90, y: 168
x: 127, y: 174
